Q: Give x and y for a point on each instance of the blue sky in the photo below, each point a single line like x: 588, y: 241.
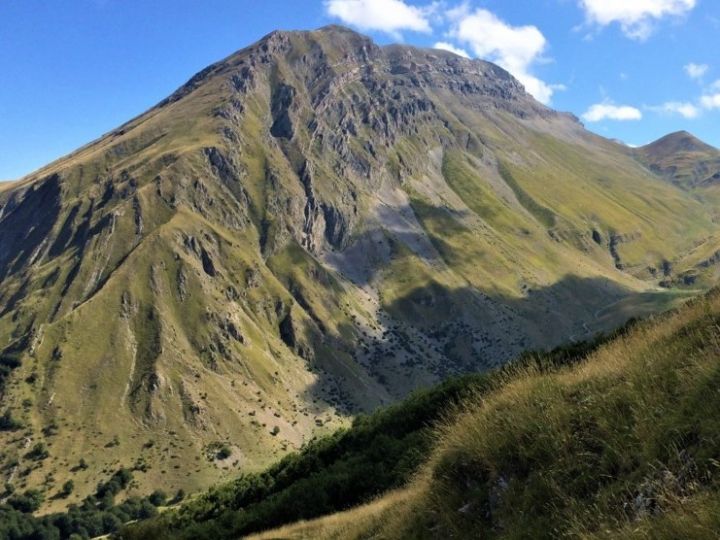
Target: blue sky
x: 632, y: 69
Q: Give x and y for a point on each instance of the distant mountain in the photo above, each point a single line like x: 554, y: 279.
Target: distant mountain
x: 692, y: 165
x: 310, y: 228
x: 684, y: 159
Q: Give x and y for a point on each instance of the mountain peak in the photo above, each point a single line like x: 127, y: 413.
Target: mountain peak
x: 683, y: 159
x: 336, y: 29
x: 679, y: 141
x: 329, y: 30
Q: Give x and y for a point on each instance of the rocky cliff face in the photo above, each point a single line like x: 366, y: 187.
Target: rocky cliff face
x: 309, y: 228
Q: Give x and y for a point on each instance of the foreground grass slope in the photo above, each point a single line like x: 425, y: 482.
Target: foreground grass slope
x: 624, y: 444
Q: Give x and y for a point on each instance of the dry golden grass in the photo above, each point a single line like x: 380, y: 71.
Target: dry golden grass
x: 6, y: 184
x: 362, y: 522
x: 618, y: 446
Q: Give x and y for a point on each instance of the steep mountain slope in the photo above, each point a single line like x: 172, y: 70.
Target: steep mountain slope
x: 309, y: 228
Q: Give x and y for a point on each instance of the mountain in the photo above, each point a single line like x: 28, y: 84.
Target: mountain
x: 308, y: 229
x: 684, y: 159
x: 693, y: 165
x: 610, y: 439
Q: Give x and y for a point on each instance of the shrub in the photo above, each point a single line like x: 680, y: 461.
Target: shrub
x: 8, y: 423
x: 67, y: 488
x: 157, y: 498
x: 27, y: 502
x: 38, y: 452
x: 223, y: 452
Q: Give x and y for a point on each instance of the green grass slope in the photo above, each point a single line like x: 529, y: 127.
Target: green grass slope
x: 378, y: 453
x: 623, y: 444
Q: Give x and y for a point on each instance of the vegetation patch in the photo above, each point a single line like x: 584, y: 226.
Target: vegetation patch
x: 94, y: 516
x: 542, y: 214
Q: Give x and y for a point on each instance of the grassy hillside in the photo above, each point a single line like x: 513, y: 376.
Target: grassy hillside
x: 380, y: 452
x: 308, y: 229
x: 624, y: 444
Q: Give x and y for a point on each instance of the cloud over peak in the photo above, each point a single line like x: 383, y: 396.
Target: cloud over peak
x: 515, y: 48
x: 711, y: 101
x: 478, y: 33
x: 445, y: 46
x: 610, y: 111
x: 389, y: 16
x: 684, y: 109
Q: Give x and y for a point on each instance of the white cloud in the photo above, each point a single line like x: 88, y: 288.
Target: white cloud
x: 636, y: 17
x: 609, y: 111
x: 686, y: 110
x: 389, y: 16
x: 515, y: 48
x: 711, y: 101
x: 696, y: 71
x: 444, y: 46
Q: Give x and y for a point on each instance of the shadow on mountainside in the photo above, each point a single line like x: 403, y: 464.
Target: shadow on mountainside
x: 436, y: 332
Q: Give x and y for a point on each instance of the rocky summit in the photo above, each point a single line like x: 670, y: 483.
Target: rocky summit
x: 308, y: 229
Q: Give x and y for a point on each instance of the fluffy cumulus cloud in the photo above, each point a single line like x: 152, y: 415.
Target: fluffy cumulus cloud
x: 635, y: 17
x: 696, y: 71
x: 515, y: 48
x: 389, y: 16
x: 609, y: 111
x: 443, y: 45
x: 711, y: 101
x: 686, y: 110
x: 711, y: 98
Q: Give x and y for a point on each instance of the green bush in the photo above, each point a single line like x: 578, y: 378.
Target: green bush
x: 38, y: 452
x: 8, y: 423
x: 67, y: 488
x: 97, y: 515
x: 27, y: 502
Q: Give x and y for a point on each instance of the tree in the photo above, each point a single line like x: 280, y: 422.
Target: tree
x: 157, y: 498
x: 8, y: 423
x: 27, y: 502
x: 38, y: 452
x: 67, y: 488
x: 224, y: 452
